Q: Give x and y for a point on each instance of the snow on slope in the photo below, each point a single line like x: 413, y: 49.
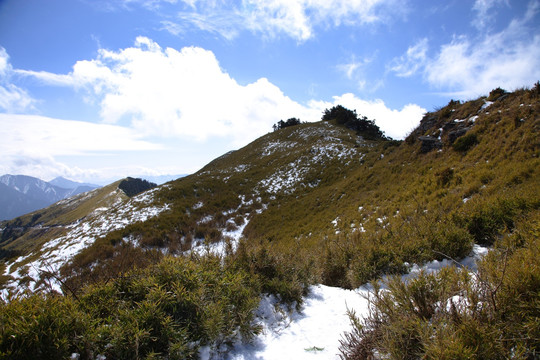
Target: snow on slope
x: 81, y: 234
x: 231, y: 237
x: 327, y: 146
x: 315, y: 332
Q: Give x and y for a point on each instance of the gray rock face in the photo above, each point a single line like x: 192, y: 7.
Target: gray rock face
x: 429, y: 143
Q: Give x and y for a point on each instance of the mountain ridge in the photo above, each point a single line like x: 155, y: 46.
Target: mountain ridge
x: 309, y: 172
x: 70, y: 184
x: 308, y: 204
x: 35, y: 193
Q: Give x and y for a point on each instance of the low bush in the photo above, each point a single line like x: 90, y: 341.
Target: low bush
x: 286, y: 275
x: 42, y: 327
x: 351, y: 120
x: 488, y: 220
x: 455, y: 315
x: 165, y: 311
x: 465, y: 142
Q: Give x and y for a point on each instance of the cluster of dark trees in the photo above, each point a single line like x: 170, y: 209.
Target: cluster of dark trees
x: 283, y: 124
x: 132, y: 186
x: 348, y: 118
x: 343, y: 116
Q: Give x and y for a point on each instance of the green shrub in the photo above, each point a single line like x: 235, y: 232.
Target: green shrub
x: 488, y: 220
x: 496, y: 93
x: 445, y: 176
x: 452, y: 241
x: 164, y: 311
x: 453, y: 314
x: 43, y: 327
x: 286, y: 275
x: 351, y: 120
x: 465, y: 142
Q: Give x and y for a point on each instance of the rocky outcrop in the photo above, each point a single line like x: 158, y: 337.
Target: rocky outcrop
x: 429, y: 143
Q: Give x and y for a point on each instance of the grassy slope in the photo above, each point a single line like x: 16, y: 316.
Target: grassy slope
x: 365, y: 208
x: 26, y: 234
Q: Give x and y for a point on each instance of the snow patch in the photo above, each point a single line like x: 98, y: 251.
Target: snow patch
x: 277, y: 145
x: 486, y: 104
x: 315, y: 331
x: 205, y: 220
x: 219, y: 248
x: 286, y: 178
x: 198, y: 205
x: 82, y: 234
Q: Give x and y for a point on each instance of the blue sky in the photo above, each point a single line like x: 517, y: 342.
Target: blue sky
x: 97, y: 90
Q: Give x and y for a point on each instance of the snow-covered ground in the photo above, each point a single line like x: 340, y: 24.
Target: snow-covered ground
x: 327, y: 146
x: 312, y: 333
x: 315, y: 331
x: 81, y: 234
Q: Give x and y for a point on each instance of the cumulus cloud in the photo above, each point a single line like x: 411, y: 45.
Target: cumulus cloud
x: 12, y: 98
x: 166, y: 92
x: 297, y: 19
x: 185, y: 93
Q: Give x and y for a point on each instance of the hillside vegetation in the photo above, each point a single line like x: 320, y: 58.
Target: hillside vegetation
x: 318, y: 203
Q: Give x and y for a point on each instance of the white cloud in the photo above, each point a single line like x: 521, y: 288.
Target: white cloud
x: 40, y: 166
x: 44, y: 136
x: 226, y: 24
x: 12, y: 98
x: 357, y: 70
x: 484, y: 8
x: 508, y: 59
x: 395, y: 123
x: 171, y: 93
x: 350, y: 68
x: 409, y: 63
x: 355, y: 66
x: 297, y: 19
x: 471, y: 66
x: 48, y: 167
x: 32, y: 144
x: 4, y: 62
x: 166, y: 92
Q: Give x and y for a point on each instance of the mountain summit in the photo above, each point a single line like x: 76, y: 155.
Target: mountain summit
x: 69, y: 184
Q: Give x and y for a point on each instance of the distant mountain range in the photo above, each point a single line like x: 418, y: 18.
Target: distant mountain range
x: 69, y: 184
x: 20, y: 194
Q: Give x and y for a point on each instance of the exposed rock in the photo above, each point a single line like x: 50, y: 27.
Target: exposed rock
x: 453, y: 135
x: 502, y: 97
x: 429, y: 143
x: 449, y: 125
